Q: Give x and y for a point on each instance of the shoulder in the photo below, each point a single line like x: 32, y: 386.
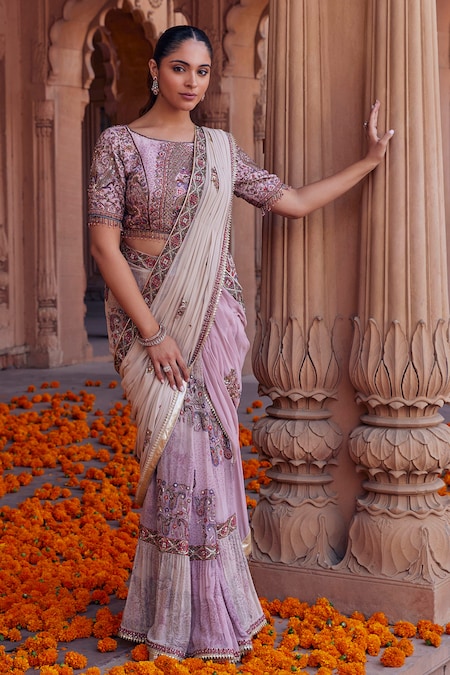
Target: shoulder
x: 114, y: 136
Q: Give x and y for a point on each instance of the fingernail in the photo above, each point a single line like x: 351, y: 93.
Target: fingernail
x: 174, y: 387
x: 392, y: 132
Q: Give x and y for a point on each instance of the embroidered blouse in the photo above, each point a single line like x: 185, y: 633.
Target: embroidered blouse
x: 139, y: 183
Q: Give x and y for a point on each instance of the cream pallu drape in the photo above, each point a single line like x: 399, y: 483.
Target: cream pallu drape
x: 185, y: 304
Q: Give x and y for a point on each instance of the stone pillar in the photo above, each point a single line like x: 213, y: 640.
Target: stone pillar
x: 297, y: 520
x: 400, y: 358
x: 46, y: 352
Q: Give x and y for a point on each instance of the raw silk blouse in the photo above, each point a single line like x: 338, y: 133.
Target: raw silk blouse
x: 139, y: 183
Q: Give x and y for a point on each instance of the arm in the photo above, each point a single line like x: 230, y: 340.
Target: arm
x: 105, y: 249
x: 298, y: 202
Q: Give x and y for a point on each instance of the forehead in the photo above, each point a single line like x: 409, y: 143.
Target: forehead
x: 190, y: 51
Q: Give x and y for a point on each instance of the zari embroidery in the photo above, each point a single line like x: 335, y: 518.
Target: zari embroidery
x: 167, y: 544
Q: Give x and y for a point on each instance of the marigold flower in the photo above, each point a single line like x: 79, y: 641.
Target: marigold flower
x: 106, y: 645
x: 140, y: 653
x: 393, y: 657
x: 75, y: 660
x: 404, y: 629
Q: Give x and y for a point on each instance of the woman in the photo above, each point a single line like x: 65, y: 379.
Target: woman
x: 159, y: 211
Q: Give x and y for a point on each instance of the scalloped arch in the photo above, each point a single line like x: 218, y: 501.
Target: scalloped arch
x: 71, y: 38
x: 242, y: 23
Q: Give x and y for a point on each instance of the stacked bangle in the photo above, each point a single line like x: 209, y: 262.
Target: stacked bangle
x: 154, y: 339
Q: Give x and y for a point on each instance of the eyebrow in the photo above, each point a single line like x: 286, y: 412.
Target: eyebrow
x: 185, y: 63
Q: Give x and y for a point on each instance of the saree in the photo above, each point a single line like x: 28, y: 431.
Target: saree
x: 190, y: 591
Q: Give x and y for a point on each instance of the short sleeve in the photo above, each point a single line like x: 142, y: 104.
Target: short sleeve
x: 257, y: 186
x: 107, y: 182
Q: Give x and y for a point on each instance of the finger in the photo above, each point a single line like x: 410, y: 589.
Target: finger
x: 173, y: 375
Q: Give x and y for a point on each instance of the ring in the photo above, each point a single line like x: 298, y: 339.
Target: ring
x: 166, y: 369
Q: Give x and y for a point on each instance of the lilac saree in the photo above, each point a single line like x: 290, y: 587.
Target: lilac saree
x: 190, y: 592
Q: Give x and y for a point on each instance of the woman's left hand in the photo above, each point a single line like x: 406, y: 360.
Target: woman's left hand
x: 376, y: 146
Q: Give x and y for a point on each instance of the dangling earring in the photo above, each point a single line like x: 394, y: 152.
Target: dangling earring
x: 155, y: 87
x: 202, y: 98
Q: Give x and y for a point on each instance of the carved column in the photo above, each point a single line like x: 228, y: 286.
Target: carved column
x: 400, y: 358
x: 4, y: 245
x: 47, y: 315
x: 297, y: 520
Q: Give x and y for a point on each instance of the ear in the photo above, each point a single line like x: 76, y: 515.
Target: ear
x: 153, y: 68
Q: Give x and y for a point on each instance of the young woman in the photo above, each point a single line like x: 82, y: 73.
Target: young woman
x: 159, y: 211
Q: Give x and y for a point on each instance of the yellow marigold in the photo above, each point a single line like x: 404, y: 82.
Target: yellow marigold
x: 106, y: 645
x: 75, y: 660
x: 393, y: 657
x: 92, y: 671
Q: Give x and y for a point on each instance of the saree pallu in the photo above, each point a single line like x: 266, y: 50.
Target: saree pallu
x: 191, y: 594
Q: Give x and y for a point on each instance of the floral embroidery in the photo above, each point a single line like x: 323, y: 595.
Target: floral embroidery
x: 232, y: 383
x: 198, y: 413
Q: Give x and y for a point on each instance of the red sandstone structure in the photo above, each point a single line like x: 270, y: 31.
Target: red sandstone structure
x: 348, y: 309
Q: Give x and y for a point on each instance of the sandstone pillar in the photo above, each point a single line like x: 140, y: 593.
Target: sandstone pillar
x: 46, y: 352
x: 400, y: 358
x: 396, y: 554
x: 297, y: 520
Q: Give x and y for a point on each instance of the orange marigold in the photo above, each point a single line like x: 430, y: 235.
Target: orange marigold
x: 406, y: 646
x: 393, y: 657
x: 431, y: 638
x: 106, y: 645
x: 140, y: 653
x: 75, y: 660
x: 404, y: 629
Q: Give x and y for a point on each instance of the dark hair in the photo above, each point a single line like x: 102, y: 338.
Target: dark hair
x: 168, y: 42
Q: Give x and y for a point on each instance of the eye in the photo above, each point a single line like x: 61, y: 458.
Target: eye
x: 178, y: 69
x: 203, y: 72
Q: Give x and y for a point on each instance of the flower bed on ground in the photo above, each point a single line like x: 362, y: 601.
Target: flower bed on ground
x: 68, y: 534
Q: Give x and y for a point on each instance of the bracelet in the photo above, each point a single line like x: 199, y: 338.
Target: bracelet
x: 154, y: 339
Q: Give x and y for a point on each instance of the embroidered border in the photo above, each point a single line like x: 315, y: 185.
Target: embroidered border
x: 181, y: 547
x: 176, y: 238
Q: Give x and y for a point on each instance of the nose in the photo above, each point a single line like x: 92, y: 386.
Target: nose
x: 192, y: 79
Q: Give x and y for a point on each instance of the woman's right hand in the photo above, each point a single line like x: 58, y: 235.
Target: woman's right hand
x: 168, y: 363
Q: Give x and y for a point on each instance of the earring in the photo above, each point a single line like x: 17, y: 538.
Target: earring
x: 155, y: 87
x: 202, y: 98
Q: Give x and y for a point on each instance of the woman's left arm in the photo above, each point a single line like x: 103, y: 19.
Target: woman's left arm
x: 298, y: 202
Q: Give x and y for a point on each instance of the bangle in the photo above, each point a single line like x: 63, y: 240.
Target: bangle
x: 154, y: 339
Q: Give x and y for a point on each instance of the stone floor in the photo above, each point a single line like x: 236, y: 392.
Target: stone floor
x: 425, y: 661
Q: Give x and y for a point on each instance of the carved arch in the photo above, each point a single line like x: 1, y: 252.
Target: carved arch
x: 242, y: 23
x: 72, y: 37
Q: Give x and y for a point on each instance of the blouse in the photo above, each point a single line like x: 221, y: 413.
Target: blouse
x: 139, y: 183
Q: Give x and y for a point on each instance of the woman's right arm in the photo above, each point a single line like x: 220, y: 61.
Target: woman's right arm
x: 105, y: 249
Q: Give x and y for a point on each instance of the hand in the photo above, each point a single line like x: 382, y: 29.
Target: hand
x: 168, y: 363
x: 377, y: 146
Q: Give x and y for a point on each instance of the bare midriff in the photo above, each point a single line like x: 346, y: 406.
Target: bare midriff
x: 151, y: 247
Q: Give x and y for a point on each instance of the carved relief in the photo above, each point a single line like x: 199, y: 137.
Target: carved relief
x: 293, y: 365
x: 393, y: 374
x: 401, y: 528
x: 297, y: 520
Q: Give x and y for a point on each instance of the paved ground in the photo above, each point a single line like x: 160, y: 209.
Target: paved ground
x: 13, y: 382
